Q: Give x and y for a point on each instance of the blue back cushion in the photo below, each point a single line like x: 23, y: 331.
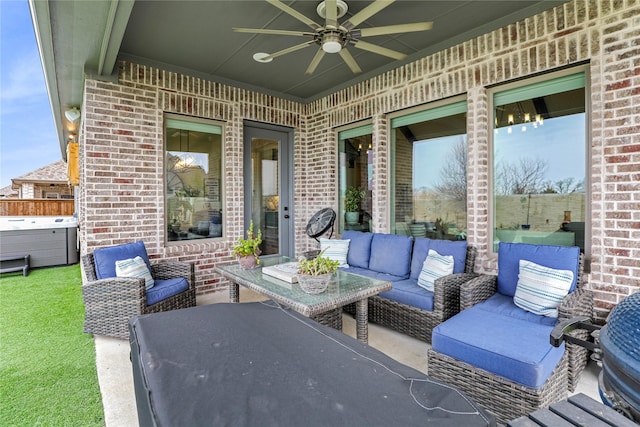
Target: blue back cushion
x: 105, y: 258
x: 391, y: 253
x: 457, y: 249
x: 510, y: 254
x: 359, y: 248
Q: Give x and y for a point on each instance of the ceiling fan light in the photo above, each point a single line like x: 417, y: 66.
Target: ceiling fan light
x: 332, y: 42
x: 331, y: 46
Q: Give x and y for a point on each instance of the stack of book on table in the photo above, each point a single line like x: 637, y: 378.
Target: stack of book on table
x: 287, y: 271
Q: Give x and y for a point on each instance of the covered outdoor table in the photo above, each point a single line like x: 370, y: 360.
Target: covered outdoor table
x: 257, y: 364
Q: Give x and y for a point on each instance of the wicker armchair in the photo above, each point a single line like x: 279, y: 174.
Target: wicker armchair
x: 505, y: 398
x: 416, y: 322
x: 111, y: 302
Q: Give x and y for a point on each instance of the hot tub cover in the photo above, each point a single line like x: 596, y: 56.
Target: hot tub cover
x: 256, y: 364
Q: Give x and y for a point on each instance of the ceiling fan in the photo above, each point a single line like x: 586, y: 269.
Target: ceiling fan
x: 334, y: 37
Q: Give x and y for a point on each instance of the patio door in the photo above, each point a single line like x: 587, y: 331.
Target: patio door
x: 268, y: 185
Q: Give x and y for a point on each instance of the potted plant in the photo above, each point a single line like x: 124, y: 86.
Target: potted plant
x: 314, y: 274
x: 352, y: 199
x: 247, y: 250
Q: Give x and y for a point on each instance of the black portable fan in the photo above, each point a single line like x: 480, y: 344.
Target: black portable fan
x: 321, y: 222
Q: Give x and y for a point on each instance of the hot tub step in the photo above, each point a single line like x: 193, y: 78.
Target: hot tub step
x: 15, y: 263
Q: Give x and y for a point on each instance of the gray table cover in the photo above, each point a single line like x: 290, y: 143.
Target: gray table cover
x: 257, y: 364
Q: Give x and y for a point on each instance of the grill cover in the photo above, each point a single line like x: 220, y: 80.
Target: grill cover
x: 620, y: 344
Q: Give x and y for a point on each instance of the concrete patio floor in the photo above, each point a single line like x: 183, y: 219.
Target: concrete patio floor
x: 116, y: 380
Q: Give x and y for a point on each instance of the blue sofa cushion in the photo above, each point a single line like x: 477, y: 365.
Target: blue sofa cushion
x: 373, y: 274
x: 514, y: 348
x: 391, y: 254
x: 557, y: 257
x: 105, y: 258
x: 408, y: 292
x: 359, y: 248
x: 164, y: 289
x: 457, y: 249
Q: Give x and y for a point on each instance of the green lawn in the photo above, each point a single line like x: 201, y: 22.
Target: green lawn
x: 47, y: 364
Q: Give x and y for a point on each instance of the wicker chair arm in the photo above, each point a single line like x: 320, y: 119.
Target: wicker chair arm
x: 477, y: 290
x: 446, y: 294
x: 173, y: 269
x: 579, y: 303
x: 126, y: 290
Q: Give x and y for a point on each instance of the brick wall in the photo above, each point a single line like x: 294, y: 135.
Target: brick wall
x: 121, y: 154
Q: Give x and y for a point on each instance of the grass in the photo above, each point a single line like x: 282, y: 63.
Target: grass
x: 47, y: 364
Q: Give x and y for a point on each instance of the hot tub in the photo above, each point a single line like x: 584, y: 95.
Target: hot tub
x: 48, y: 240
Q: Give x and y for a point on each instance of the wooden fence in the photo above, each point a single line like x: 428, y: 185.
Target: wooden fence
x: 36, y: 207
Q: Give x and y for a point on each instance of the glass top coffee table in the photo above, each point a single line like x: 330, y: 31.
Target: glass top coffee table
x: 344, y: 288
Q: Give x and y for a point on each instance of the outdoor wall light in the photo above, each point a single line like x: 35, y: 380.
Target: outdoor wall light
x: 72, y: 114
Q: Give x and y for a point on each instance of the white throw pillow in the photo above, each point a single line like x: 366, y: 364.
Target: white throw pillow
x: 541, y: 289
x: 336, y: 250
x: 134, y: 267
x: 434, y: 267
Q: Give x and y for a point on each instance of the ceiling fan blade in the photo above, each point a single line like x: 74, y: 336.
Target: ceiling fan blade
x: 291, y: 11
x: 366, y: 13
x: 275, y: 32
x: 331, y: 11
x: 395, y: 29
x: 288, y: 50
x: 348, y: 59
x: 374, y: 48
x: 315, y: 61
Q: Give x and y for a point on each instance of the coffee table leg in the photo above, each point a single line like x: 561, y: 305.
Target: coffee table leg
x: 234, y: 292
x: 362, y: 320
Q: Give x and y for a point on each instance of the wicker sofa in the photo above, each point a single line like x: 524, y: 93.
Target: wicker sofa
x: 408, y: 308
x: 499, y: 352
x: 110, y: 301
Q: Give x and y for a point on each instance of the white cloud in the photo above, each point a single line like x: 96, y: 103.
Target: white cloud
x: 24, y: 80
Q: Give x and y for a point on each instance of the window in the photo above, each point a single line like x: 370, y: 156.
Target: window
x: 355, y: 175
x: 539, y: 161
x: 429, y: 172
x: 193, y: 174
x: 50, y: 195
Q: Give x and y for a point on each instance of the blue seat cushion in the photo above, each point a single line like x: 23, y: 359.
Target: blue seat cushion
x: 372, y: 274
x: 391, y: 254
x: 457, y: 249
x: 105, y: 258
x: 508, y: 346
x: 359, y: 248
x: 510, y: 254
x: 504, y: 305
x: 408, y: 292
x: 164, y: 289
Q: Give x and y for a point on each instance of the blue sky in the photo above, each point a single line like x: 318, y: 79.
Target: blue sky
x: 559, y: 142
x: 28, y: 139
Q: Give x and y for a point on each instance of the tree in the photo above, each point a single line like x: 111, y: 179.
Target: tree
x: 568, y: 185
x: 524, y: 177
x: 453, y: 174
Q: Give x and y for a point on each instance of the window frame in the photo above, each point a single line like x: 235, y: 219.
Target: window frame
x: 168, y: 116
x: 391, y: 170
x: 527, y: 81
